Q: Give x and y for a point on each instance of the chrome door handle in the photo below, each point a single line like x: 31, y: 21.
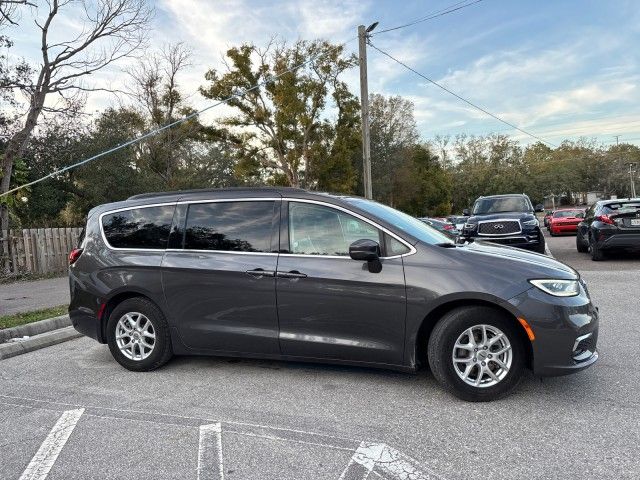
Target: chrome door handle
x: 291, y: 274
x: 260, y: 272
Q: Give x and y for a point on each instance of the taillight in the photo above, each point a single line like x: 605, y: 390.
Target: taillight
x: 605, y: 219
x: 74, y: 255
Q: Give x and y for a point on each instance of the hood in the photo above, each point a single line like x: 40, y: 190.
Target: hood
x: 499, y: 216
x: 539, y: 265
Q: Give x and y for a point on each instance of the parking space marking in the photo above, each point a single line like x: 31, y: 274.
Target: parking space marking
x: 46, y: 456
x: 210, y: 463
x: 243, y: 427
x: 380, y: 458
x: 369, y: 459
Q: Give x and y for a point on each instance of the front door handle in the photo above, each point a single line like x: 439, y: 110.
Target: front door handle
x: 260, y: 272
x: 291, y: 274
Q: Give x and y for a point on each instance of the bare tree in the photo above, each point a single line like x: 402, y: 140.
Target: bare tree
x: 111, y: 30
x: 154, y: 87
x: 9, y: 9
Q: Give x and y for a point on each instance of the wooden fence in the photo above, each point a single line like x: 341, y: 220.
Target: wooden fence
x: 37, y: 250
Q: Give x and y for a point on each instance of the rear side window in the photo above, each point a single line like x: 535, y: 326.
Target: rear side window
x: 622, y: 207
x: 230, y: 226
x: 139, y: 227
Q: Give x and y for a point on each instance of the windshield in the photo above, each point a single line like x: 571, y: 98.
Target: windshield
x: 404, y: 222
x: 501, y: 205
x: 568, y: 213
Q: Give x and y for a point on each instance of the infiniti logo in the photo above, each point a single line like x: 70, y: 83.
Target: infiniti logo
x: 498, y: 226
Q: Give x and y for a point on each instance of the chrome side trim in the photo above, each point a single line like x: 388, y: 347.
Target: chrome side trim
x: 499, y: 220
x: 411, y: 248
x: 579, y: 339
x: 184, y: 250
x: 506, y: 237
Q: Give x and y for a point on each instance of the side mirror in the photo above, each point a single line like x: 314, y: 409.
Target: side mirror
x: 364, y: 250
x: 539, y: 208
x: 466, y: 212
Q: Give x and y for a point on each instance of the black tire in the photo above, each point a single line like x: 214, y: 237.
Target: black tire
x: 580, y: 246
x: 596, y: 252
x: 442, y: 341
x: 540, y: 248
x: 162, y: 350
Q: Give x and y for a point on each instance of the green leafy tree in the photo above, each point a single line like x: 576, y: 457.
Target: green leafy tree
x: 393, y: 131
x: 283, y: 131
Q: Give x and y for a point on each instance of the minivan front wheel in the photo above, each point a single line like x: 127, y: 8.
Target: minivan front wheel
x: 476, y: 353
x: 138, y: 335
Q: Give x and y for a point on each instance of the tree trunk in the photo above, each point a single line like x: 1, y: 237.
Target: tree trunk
x: 15, y: 148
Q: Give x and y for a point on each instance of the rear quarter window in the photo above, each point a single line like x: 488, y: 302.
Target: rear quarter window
x: 145, y: 227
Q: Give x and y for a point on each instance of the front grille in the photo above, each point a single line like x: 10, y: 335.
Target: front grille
x: 504, y: 227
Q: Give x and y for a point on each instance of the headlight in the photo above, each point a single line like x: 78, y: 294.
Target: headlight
x: 533, y: 222
x: 470, y: 226
x: 558, y: 288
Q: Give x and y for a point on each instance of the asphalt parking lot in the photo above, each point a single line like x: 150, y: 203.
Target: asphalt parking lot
x: 246, y: 419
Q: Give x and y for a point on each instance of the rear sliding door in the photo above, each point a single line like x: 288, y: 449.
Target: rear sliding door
x: 219, y: 277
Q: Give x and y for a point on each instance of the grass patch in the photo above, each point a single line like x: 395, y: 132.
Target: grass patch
x: 8, y: 321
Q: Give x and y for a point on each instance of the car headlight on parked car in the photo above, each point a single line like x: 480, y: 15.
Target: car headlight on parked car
x: 558, y: 288
x: 470, y: 226
x: 533, y: 222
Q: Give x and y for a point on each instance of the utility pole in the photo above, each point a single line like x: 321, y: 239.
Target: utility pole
x: 632, y: 171
x: 363, y: 35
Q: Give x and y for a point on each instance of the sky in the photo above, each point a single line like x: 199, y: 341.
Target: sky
x: 559, y: 69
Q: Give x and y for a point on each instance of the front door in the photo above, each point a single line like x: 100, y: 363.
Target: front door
x: 330, y: 306
x: 220, y: 281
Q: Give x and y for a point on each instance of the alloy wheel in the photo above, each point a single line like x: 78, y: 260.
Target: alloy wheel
x: 482, y: 356
x: 135, y: 336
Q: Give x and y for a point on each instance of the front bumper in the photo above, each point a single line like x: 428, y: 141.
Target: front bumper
x: 521, y: 240
x: 560, y: 228
x: 565, y: 328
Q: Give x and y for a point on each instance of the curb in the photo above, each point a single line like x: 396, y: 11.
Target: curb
x: 8, y: 350
x: 35, y: 328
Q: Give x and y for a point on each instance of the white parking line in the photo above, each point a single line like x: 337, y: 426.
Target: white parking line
x: 46, y: 456
x: 370, y: 457
x: 210, y: 465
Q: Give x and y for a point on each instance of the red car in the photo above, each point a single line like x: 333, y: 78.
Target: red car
x: 565, y: 220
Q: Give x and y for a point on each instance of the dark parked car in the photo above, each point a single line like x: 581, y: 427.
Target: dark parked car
x: 505, y: 219
x: 449, y: 229
x: 547, y: 218
x: 565, y: 220
x: 610, y: 225
x: 288, y: 274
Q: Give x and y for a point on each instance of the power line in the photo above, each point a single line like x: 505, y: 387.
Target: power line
x: 169, y: 125
x: 435, y: 14
x: 468, y: 102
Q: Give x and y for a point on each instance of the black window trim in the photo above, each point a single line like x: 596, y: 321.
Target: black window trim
x: 411, y: 248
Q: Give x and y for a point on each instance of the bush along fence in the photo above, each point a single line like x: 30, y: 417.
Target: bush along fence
x: 36, y: 250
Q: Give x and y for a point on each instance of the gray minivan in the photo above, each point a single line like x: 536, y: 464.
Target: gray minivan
x: 289, y: 274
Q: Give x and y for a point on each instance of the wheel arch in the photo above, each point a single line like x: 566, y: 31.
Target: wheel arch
x: 113, y: 302
x: 429, y: 321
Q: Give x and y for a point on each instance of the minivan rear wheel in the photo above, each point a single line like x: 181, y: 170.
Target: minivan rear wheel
x: 138, y: 335
x: 476, y: 353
